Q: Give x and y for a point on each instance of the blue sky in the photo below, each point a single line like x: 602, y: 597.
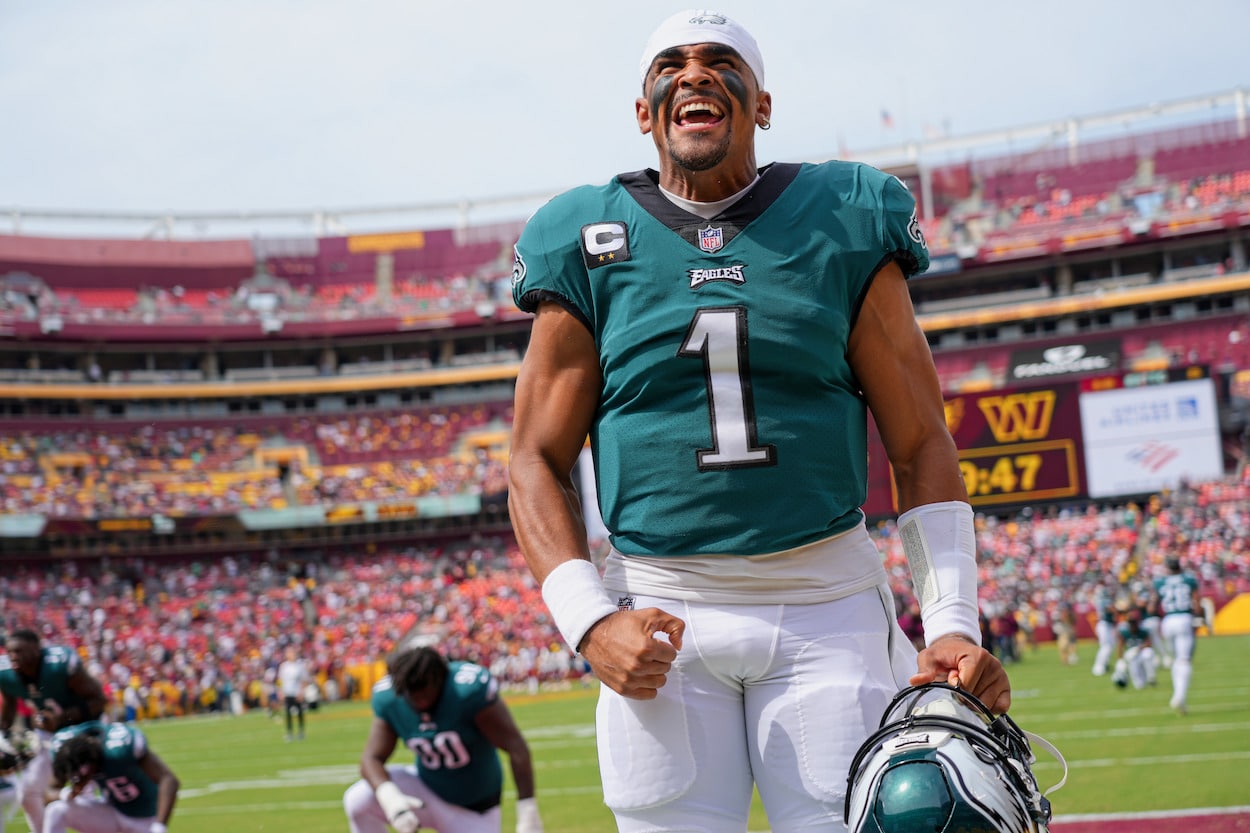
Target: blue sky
x: 277, y: 105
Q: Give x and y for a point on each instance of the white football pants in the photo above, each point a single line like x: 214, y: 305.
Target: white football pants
x: 1151, y: 625
x: 776, y: 696
x: 364, y: 814
x: 8, y: 797
x: 1105, y: 631
x: 1139, y: 664
x: 1177, y: 630
x: 91, y: 815
x: 33, y: 781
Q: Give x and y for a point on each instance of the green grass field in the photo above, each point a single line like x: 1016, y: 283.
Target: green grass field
x: 1126, y: 750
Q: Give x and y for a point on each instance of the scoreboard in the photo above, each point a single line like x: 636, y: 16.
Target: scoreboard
x: 1100, y: 436
x: 1020, y: 446
x: 1016, y: 447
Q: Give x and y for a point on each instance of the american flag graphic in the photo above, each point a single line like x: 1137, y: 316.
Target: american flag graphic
x: 1153, y: 455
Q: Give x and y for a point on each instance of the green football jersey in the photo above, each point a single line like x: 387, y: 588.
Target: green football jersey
x: 454, y: 759
x: 52, y: 685
x: 730, y: 421
x: 121, y: 777
x: 1177, y: 592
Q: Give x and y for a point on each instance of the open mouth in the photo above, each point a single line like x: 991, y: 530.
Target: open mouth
x: 699, y: 114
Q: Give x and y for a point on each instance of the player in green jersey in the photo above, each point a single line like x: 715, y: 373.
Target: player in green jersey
x: 721, y: 331
x: 450, y: 716
x: 1178, y: 599
x: 56, y: 684
x: 136, y: 789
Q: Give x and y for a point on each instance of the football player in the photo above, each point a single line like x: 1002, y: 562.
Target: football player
x: 117, y: 784
x: 1152, y: 618
x: 54, y: 681
x: 1104, y: 630
x: 722, y: 330
x: 450, y: 716
x: 1135, y: 659
x: 293, y: 677
x: 1178, y: 597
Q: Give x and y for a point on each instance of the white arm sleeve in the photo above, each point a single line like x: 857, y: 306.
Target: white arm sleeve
x: 940, y: 545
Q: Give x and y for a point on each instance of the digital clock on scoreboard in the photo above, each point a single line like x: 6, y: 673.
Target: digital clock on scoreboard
x: 1020, y: 473
x: 1018, y: 446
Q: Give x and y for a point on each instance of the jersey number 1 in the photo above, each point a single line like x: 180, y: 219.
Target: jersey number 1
x: 718, y: 336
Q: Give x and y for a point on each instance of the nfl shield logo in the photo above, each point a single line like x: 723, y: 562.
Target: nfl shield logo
x: 711, y: 240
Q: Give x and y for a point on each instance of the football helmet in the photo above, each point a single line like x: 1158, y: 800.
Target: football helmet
x: 17, y: 748
x: 941, y: 761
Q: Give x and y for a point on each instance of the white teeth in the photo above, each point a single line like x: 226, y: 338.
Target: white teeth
x: 711, y: 107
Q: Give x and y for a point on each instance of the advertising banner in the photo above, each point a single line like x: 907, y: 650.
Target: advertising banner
x: 1078, y: 358
x: 1144, y: 439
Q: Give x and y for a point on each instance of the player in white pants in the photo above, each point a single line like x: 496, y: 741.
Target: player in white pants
x: 1178, y: 594
x: 1177, y: 630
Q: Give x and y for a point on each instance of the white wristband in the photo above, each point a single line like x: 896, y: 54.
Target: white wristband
x: 158, y: 827
x: 527, y: 817
x: 575, y: 596
x: 391, y: 799
x: 940, y: 545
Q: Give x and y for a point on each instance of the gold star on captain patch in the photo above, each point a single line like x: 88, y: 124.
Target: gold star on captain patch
x: 608, y: 256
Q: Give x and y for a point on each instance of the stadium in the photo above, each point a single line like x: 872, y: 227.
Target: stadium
x: 210, y: 444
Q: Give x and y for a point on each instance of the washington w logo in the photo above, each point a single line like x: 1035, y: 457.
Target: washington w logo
x: 1019, y: 416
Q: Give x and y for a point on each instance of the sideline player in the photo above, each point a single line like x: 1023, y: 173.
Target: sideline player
x: 54, y: 681
x: 721, y: 331
x: 451, y: 716
x: 293, y: 678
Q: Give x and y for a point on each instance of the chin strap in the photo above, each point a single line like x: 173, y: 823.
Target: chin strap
x: 1038, y: 740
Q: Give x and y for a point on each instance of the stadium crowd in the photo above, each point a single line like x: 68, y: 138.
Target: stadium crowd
x: 222, y: 469
x: 176, y: 638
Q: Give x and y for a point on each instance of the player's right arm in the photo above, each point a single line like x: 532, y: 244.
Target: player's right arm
x: 399, y: 808
x: 378, y: 748
x: 557, y: 392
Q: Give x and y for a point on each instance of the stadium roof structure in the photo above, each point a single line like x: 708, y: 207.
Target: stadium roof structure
x: 1074, y: 138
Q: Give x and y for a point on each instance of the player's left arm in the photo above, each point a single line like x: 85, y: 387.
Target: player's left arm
x: 497, y: 726
x: 167, y: 785
x: 890, y: 356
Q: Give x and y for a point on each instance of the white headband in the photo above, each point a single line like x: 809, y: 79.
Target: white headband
x: 702, y: 26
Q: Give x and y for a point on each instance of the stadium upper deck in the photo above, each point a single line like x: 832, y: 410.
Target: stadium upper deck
x: 1002, y: 227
